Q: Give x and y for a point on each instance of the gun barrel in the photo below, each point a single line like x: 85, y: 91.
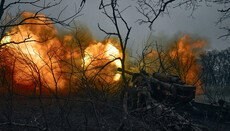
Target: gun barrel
x: 168, y: 78
x: 127, y: 72
x: 168, y: 85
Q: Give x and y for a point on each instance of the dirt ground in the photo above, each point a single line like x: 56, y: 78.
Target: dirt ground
x: 90, y: 113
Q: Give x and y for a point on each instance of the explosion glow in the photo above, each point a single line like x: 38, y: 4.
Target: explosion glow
x: 185, y: 54
x: 180, y: 58
x: 41, y: 57
x: 38, y: 54
x: 96, y: 56
x: 36, y: 58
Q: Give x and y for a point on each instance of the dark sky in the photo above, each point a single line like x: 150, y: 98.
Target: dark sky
x: 202, y: 23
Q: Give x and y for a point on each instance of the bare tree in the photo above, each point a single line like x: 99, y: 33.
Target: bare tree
x: 215, y: 76
x: 224, y: 17
x: 112, y: 11
x: 152, y: 9
x: 12, y: 16
x: 151, y: 57
x: 9, y: 18
x: 181, y: 63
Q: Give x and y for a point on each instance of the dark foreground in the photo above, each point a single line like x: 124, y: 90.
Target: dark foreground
x: 100, y: 113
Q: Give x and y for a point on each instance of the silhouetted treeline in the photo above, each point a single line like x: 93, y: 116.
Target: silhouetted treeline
x: 216, y: 68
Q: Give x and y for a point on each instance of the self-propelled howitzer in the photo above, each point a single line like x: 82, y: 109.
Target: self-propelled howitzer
x: 164, y: 86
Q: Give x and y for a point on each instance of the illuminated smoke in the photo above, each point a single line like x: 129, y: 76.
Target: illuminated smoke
x: 42, y: 61
x: 184, y: 54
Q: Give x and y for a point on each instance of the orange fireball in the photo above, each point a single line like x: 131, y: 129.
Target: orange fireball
x: 184, y: 55
x: 41, y: 57
x: 98, y: 55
